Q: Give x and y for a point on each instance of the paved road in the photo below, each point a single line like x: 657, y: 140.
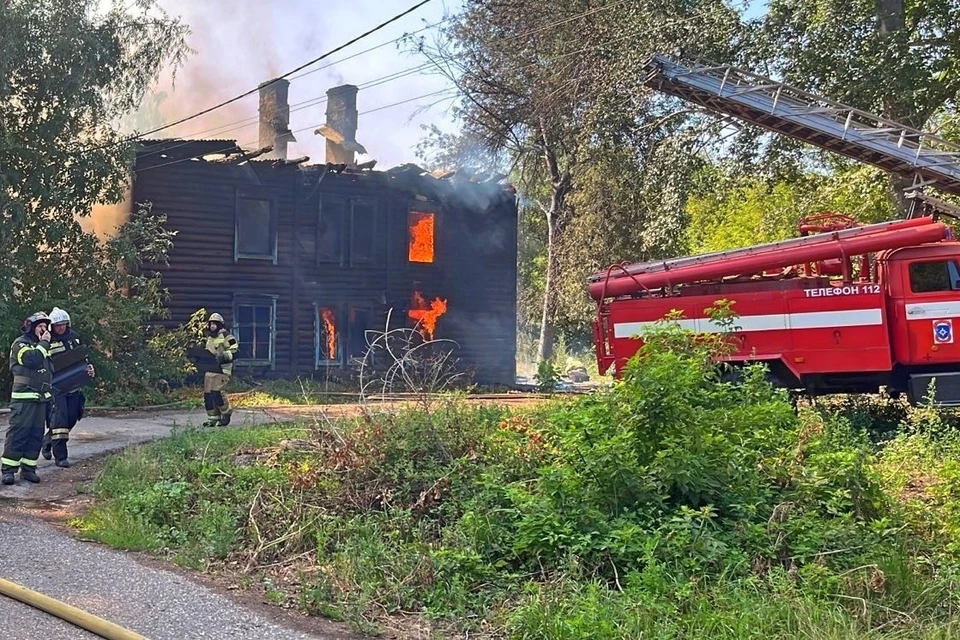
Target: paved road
x: 113, y: 585
x: 110, y: 584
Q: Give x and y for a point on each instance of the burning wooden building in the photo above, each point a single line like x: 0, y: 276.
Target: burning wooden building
x: 305, y: 260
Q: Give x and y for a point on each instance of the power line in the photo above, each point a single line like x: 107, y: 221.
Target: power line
x: 395, y: 104
x: 319, y: 100
x: 298, y: 106
x: 404, y: 73
x: 314, y: 126
x: 366, y: 51
x: 289, y: 73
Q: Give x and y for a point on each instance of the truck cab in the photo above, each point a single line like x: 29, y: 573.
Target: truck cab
x: 922, y: 285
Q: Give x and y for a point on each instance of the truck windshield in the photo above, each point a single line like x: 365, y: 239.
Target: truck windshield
x: 932, y: 276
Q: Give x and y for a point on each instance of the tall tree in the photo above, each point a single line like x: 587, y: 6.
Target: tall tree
x: 69, y: 70
x: 553, y: 85
x: 897, y: 58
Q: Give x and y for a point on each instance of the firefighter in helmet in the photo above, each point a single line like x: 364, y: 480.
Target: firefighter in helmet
x: 224, y: 347
x: 32, y: 377
x: 67, y: 408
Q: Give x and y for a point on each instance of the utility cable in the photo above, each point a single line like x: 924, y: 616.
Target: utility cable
x: 314, y: 126
x: 298, y: 106
x: 410, y: 71
x: 255, y: 89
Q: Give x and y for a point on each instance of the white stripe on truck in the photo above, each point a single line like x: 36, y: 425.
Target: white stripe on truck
x: 932, y: 310
x: 771, y: 322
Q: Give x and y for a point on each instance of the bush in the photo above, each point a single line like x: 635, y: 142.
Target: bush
x: 676, y: 504
x: 112, y: 301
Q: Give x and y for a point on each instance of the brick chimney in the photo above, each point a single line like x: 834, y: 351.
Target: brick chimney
x: 275, y: 118
x: 340, y: 129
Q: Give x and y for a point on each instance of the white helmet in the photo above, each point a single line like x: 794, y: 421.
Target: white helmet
x: 59, y: 316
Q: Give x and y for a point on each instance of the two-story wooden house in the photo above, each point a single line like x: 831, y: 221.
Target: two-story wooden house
x: 303, y: 260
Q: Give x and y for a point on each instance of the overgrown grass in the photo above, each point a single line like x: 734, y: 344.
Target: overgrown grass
x: 672, y: 506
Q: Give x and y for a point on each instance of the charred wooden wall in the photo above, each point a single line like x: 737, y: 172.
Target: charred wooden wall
x: 474, y: 268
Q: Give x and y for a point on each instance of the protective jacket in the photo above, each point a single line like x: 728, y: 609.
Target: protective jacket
x: 224, y: 346
x: 31, y: 368
x: 58, y: 344
x: 66, y: 342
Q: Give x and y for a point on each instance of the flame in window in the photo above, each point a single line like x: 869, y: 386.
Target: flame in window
x: 426, y: 316
x: 421, y: 237
x: 330, y: 326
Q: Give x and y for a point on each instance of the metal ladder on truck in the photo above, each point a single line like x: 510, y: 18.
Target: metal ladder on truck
x: 923, y: 158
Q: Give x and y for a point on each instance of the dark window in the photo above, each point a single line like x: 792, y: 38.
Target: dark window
x: 363, y: 219
x: 361, y: 321
x: 328, y: 336
x: 341, y: 333
x: 256, y: 232
x: 255, y: 328
x: 930, y: 277
x: 330, y: 229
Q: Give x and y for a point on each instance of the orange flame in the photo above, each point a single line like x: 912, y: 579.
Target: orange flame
x: 329, y: 323
x: 425, y: 316
x: 421, y: 237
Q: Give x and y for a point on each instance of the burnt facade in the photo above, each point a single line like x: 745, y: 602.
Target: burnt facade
x: 303, y: 260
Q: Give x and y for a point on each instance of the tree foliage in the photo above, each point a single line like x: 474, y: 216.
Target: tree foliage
x: 557, y: 88
x: 728, y: 212
x: 68, y: 72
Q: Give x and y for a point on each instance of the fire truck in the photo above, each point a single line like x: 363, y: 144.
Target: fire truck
x: 843, y: 307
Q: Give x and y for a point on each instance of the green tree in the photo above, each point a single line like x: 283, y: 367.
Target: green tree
x: 730, y: 211
x: 556, y: 87
x: 69, y: 71
x: 896, y: 58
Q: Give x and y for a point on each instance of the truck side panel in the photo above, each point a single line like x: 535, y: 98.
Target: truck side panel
x: 832, y: 330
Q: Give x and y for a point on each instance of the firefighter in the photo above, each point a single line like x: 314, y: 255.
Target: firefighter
x: 32, y: 376
x: 224, y: 346
x: 67, y: 408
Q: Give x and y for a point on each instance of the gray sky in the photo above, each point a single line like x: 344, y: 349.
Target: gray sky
x: 241, y: 43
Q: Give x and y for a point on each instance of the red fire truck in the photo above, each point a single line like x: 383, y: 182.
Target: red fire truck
x: 844, y: 308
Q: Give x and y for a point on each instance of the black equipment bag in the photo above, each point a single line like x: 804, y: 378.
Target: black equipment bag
x: 203, y: 360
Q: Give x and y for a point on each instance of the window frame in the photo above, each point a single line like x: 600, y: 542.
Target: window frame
x: 422, y: 208
x: 348, y: 229
x: 353, y: 202
x: 369, y: 309
x: 341, y: 254
x: 953, y: 270
x: 257, y: 300
x: 319, y: 363
x: 254, y: 195
x: 345, y: 333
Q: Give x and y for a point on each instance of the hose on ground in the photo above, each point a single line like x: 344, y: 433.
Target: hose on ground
x: 65, y: 612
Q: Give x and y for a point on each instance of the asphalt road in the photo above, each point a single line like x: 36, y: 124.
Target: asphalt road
x: 95, y: 435
x: 155, y: 603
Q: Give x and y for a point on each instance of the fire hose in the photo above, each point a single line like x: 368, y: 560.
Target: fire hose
x: 65, y: 612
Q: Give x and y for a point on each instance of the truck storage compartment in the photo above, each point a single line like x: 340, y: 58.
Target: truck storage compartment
x: 947, y: 388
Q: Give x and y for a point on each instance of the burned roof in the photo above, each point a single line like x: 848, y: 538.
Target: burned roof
x: 438, y: 185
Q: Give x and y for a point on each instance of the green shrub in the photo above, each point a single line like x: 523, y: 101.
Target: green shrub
x: 675, y: 504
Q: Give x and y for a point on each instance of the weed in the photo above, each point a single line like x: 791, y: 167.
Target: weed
x: 673, y: 505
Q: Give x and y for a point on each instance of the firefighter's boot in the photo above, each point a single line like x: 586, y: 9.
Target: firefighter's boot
x: 8, y: 478
x: 45, y: 450
x: 29, y: 474
x: 63, y: 463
